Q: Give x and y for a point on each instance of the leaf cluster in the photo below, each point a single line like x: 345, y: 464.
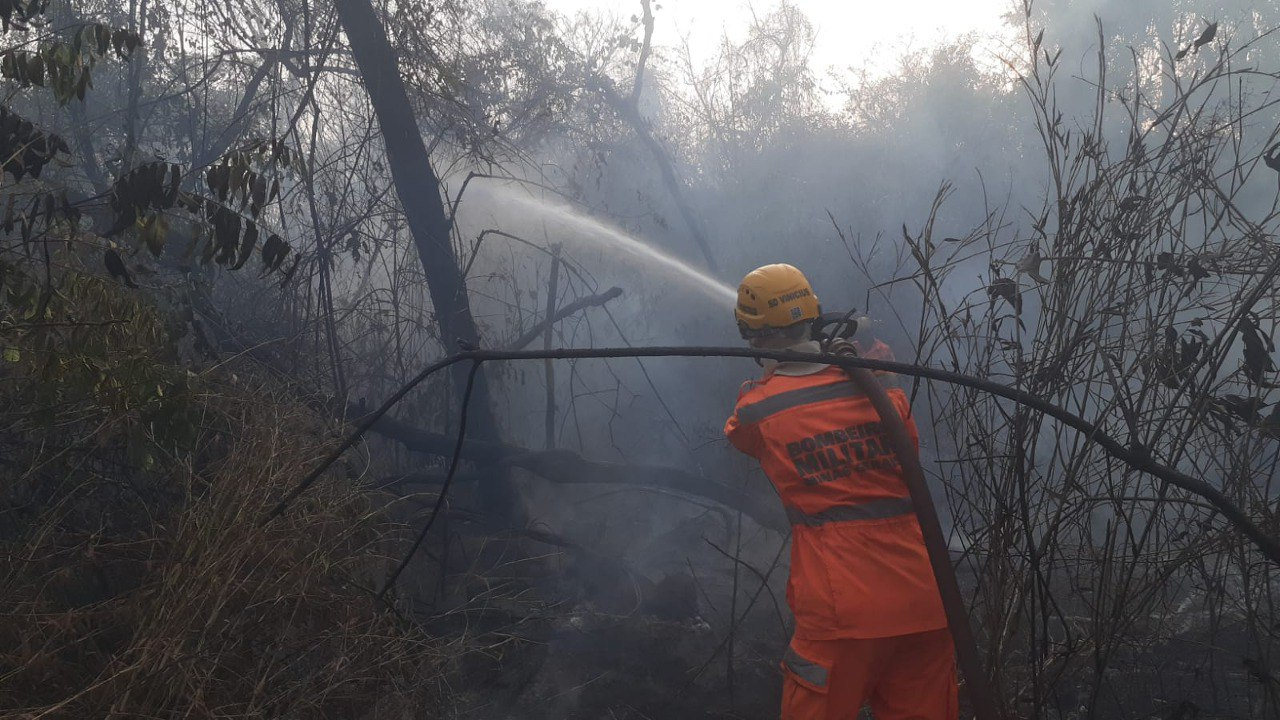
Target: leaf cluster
x: 237, y: 176
x: 240, y: 180
x: 18, y: 14
x: 94, y: 348
x: 25, y: 148
x: 66, y: 66
x: 1174, y: 363
x: 45, y: 208
x: 144, y: 190
x: 240, y: 191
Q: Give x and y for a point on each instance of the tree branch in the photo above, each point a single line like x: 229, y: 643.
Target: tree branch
x: 240, y: 117
x: 536, y: 331
x: 630, y: 112
x: 645, y: 49
x: 569, y: 468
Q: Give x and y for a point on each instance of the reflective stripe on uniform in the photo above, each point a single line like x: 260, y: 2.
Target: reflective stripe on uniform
x: 757, y: 411
x: 871, y: 510
x: 807, y: 670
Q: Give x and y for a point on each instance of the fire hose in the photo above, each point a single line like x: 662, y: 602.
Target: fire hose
x: 835, y: 332
x: 976, y: 682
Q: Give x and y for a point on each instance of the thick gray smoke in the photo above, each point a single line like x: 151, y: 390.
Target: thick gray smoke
x: 940, y: 194
x: 952, y: 144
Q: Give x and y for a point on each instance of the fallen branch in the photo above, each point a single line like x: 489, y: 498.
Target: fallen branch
x: 1136, y: 457
x: 568, y: 467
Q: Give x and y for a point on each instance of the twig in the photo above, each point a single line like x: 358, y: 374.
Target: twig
x: 444, y: 489
x: 777, y: 609
x: 734, y: 622
x: 544, y: 325
x: 549, y: 366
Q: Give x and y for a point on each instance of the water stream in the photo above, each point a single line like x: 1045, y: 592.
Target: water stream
x: 584, y: 225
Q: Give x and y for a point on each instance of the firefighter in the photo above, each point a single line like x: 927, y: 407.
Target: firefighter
x: 869, y: 623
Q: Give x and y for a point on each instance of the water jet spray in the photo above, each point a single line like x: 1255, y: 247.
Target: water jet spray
x: 585, y: 226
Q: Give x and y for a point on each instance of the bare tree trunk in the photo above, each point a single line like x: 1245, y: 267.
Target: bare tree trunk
x: 138, y: 24
x: 549, y: 365
x: 631, y: 113
x: 628, y: 108
x: 418, y: 188
x: 85, y: 148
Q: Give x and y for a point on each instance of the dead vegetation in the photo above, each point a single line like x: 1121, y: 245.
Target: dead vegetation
x: 1141, y: 295
x: 137, y: 580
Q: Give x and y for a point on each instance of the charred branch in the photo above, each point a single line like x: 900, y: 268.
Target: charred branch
x: 572, y: 308
x: 566, y: 467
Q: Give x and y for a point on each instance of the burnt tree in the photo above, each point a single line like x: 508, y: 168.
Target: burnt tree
x: 628, y: 108
x: 418, y: 189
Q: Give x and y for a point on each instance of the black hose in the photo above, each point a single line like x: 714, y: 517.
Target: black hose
x: 1138, y: 458
x: 976, y: 681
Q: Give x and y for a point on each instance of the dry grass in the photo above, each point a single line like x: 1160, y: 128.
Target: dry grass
x: 202, y: 613
x: 137, y: 582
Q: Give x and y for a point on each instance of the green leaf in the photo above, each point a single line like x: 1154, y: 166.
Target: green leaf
x: 274, y: 252
x: 153, y: 232
x: 12, y: 355
x: 247, y: 244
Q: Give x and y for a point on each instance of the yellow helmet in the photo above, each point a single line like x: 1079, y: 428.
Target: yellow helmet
x: 774, y: 297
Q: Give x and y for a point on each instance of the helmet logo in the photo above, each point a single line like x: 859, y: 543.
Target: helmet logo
x: 796, y: 313
x: 789, y: 297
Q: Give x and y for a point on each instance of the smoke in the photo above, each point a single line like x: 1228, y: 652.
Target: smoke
x: 842, y: 173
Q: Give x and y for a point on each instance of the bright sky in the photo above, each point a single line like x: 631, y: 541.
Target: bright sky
x: 870, y: 33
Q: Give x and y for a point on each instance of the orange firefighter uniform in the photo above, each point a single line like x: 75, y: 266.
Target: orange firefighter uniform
x: 870, y: 626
